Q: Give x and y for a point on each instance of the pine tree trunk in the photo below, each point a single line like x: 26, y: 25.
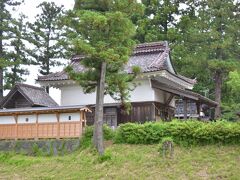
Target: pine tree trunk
x: 48, y: 59
x: 98, y: 123
x: 1, y: 83
x: 218, y: 93
x: 1, y: 53
x: 1, y: 69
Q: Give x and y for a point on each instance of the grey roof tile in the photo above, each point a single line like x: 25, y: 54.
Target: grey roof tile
x: 37, y: 96
x: 149, y: 57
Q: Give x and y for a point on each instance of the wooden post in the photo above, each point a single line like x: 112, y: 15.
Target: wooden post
x: 58, y: 126
x: 85, y: 118
x: 198, y: 109
x: 36, y: 138
x: 16, y: 126
x: 185, y: 108
x: 81, y: 128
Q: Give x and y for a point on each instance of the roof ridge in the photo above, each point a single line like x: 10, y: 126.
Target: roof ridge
x: 28, y: 85
x: 160, y: 58
x: 164, y: 43
x: 150, y: 47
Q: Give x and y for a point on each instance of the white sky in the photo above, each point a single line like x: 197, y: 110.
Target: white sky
x: 29, y: 9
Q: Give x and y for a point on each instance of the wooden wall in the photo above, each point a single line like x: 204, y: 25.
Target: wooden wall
x: 140, y: 113
x: 17, y: 101
x: 39, y: 130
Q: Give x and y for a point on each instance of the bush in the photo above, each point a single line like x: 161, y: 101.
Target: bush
x: 183, y: 132
x: 86, y: 140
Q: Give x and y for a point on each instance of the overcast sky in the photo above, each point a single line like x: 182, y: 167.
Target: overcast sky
x: 29, y: 9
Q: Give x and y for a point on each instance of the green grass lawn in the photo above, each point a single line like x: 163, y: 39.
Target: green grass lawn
x: 127, y: 162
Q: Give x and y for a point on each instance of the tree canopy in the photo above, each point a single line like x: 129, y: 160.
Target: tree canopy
x: 46, y: 37
x: 103, y: 35
x: 6, y: 27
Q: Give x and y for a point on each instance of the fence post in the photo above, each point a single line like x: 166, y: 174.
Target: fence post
x: 58, y: 126
x: 16, y: 126
x: 36, y: 138
x: 81, y: 121
x: 85, y: 118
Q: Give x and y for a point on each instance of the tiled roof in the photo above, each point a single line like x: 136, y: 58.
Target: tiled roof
x: 149, y: 57
x: 192, y: 81
x: 184, y: 92
x: 40, y: 110
x: 37, y: 96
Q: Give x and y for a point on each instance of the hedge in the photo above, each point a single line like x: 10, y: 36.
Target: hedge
x: 182, y: 132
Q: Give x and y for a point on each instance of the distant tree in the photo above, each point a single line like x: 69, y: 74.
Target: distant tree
x: 187, y: 54
x: 159, y: 21
x: 203, y: 35
x: 131, y: 8
x: 218, y: 24
x: 234, y: 84
x: 104, y: 38
x: 5, y: 29
x: 208, y: 43
x: 46, y: 37
x: 17, y: 56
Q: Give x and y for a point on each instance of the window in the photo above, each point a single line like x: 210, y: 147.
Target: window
x: 69, y: 118
x: 26, y: 119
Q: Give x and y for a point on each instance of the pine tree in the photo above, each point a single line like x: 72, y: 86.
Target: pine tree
x: 46, y: 37
x: 159, y: 21
x: 104, y: 38
x: 17, y: 56
x: 217, y: 21
x: 208, y: 45
x: 5, y: 29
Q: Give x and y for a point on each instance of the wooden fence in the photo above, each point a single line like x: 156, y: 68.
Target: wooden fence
x: 48, y: 130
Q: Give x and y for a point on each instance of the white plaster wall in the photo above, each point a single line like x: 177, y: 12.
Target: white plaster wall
x: 159, y: 95
x: 7, y: 120
x: 143, y: 92
x: 47, y: 118
x: 73, y: 95
x: 74, y: 117
x: 172, y: 103
x: 31, y: 119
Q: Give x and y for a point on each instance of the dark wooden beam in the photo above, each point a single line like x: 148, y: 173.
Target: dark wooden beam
x: 169, y: 99
x: 198, y: 109
x: 185, y: 108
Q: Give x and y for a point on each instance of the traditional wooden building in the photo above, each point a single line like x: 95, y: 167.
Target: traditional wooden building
x: 152, y: 99
x: 26, y: 96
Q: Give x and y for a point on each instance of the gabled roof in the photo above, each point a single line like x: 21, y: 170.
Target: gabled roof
x: 150, y: 57
x: 36, y: 96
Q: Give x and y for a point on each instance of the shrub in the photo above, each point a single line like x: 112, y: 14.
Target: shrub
x: 86, y: 140
x: 183, y: 132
